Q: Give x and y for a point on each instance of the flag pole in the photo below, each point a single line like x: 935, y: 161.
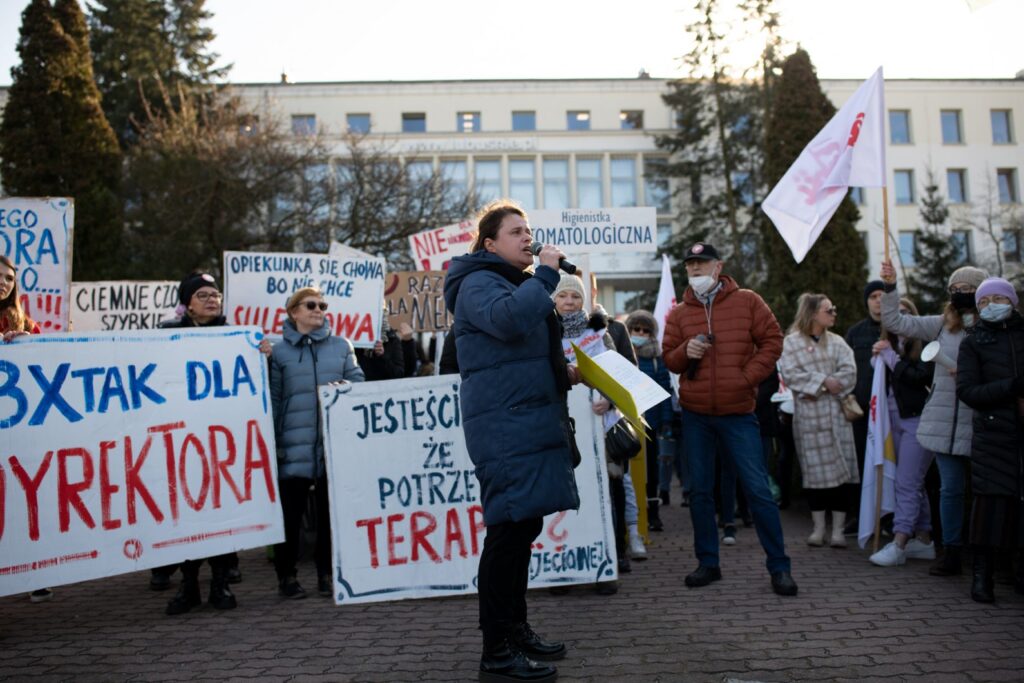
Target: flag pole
x: 879, y: 474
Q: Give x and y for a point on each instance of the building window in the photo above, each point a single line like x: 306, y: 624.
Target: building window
x: 623, y: 181
x: 656, y: 192
x: 589, y: 184
x: 358, y: 124
x: 456, y: 179
x: 467, y: 122
x: 524, y: 120
x: 952, y: 131
x: 962, y: 240
x: 304, y: 124
x: 899, y: 126
x: 907, y: 242
x: 857, y: 195
x: 742, y: 188
x: 905, y: 187
x: 664, y: 233
x: 1013, y: 245
x: 414, y: 122
x: 521, y: 185
x: 1002, y: 131
x: 577, y: 120
x: 556, y: 184
x: 248, y: 125
x: 418, y: 175
x: 1007, y: 180
x: 631, y: 119
x: 956, y: 184
x: 487, y: 180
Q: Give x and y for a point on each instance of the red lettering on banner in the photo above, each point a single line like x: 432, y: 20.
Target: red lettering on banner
x: 172, y: 481
x: 204, y: 488
x: 69, y: 494
x: 419, y: 535
x: 133, y: 483
x: 354, y: 326
x: 31, y: 487
x: 253, y: 436
x: 555, y: 521
x: 220, y: 467
x: 393, y: 540
x: 371, y: 533
x: 106, y: 488
x: 453, y: 534
x: 476, y: 527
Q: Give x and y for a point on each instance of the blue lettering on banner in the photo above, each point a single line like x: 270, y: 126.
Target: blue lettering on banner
x: 595, y: 236
x: 276, y: 263
x: 584, y: 558
x: 428, y: 488
x: 417, y: 413
x: 201, y: 380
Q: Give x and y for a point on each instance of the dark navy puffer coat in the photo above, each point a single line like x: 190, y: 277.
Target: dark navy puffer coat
x: 989, y: 367
x: 513, y: 413
x: 298, y: 365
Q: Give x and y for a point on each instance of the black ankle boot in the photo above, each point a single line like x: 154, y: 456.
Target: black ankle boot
x: 535, y: 647
x: 186, y: 598
x: 982, y: 582
x: 504, y: 661
x: 653, y: 516
x: 221, y: 596
x: 950, y: 564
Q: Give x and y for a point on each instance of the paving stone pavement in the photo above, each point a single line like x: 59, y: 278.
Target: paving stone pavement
x: 851, y: 622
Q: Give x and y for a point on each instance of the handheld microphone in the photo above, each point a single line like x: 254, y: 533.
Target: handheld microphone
x: 562, y: 263
x: 691, y: 369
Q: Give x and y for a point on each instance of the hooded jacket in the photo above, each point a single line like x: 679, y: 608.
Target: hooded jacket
x: 513, y: 414
x: 298, y: 365
x: 746, y: 341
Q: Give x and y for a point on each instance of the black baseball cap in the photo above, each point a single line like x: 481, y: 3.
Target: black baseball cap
x: 701, y: 252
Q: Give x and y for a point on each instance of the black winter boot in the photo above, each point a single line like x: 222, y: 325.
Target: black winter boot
x: 186, y: 598
x: 504, y: 662
x: 982, y: 582
x: 653, y: 517
x: 950, y: 564
x: 221, y: 596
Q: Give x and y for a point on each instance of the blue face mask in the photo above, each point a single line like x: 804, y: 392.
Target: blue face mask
x: 638, y: 341
x: 995, y: 313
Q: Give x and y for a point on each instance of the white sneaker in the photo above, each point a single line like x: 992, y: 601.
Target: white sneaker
x: 889, y: 556
x: 918, y: 550
x: 636, y: 547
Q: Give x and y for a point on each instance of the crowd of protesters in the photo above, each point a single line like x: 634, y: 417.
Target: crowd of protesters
x: 749, y: 400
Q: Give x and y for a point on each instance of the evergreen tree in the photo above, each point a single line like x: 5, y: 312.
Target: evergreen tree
x: 835, y: 265
x: 936, y: 255
x: 54, y: 138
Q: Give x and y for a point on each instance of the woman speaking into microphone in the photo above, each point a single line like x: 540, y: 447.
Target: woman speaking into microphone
x: 514, y: 385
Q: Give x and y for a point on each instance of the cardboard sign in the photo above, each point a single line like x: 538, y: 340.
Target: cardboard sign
x: 417, y: 298
x: 125, y: 451
x: 406, y: 518
x: 343, y: 251
x: 257, y: 286
x: 433, y: 249
x: 36, y: 234
x: 578, y: 231
x: 122, y: 305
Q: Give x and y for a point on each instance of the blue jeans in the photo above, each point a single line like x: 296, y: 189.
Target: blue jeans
x: 953, y: 473
x: 740, y: 439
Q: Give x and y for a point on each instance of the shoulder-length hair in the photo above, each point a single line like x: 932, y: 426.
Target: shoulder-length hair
x: 10, y: 307
x: 806, y: 308
x: 489, y: 220
x: 912, y: 347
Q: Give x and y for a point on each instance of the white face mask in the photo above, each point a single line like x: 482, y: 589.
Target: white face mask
x: 702, y: 284
x: 995, y: 313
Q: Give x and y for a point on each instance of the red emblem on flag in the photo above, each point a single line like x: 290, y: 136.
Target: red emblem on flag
x: 855, y: 130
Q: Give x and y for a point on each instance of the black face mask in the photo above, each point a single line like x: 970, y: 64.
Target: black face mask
x: 962, y: 301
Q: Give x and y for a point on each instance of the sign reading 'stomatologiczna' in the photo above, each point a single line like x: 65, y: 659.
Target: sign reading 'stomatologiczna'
x: 124, y: 451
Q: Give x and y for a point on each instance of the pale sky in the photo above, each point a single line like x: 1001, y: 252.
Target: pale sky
x: 346, y: 40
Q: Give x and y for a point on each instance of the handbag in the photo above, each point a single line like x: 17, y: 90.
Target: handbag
x: 621, y: 442
x: 851, y: 409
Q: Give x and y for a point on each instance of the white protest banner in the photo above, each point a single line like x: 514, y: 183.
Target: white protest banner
x: 257, y: 286
x: 406, y: 519
x: 433, y: 249
x: 122, y: 305
x: 577, y: 231
x: 337, y: 250
x: 129, y: 450
x: 36, y: 234
x: 417, y: 298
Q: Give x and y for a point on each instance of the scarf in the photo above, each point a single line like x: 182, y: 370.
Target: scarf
x: 573, y: 324
x: 649, y: 349
x: 556, y: 357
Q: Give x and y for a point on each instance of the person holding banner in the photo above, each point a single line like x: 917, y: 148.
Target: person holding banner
x: 13, y: 321
x: 946, y: 422
x: 308, y: 357
x: 990, y: 379
x: 515, y: 382
x: 818, y: 367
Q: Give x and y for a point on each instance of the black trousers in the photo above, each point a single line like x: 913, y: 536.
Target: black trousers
x: 294, y: 500
x: 653, y: 451
x: 617, y: 489
x: 190, y: 568
x: 502, y: 576
x: 842, y: 498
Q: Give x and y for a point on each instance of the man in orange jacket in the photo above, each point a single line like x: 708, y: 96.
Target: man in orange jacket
x: 724, y: 341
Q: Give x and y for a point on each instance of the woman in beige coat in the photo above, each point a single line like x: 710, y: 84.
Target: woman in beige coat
x: 819, y: 368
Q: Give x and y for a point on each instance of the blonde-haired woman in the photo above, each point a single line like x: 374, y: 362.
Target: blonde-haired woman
x: 819, y: 367
x: 13, y: 321
x: 308, y: 357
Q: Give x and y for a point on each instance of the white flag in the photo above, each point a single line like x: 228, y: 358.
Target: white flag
x: 849, y: 151
x: 880, y: 451
x: 666, y: 297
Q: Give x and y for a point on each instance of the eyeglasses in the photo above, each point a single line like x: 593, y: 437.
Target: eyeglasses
x: 832, y: 311
x: 640, y: 330
x: 206, y: 296
x: 313, y: 305
x: 961, y: 289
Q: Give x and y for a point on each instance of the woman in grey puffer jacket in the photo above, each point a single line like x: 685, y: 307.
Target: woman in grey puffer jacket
x: 307, y: 358
x: 945, y: 427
